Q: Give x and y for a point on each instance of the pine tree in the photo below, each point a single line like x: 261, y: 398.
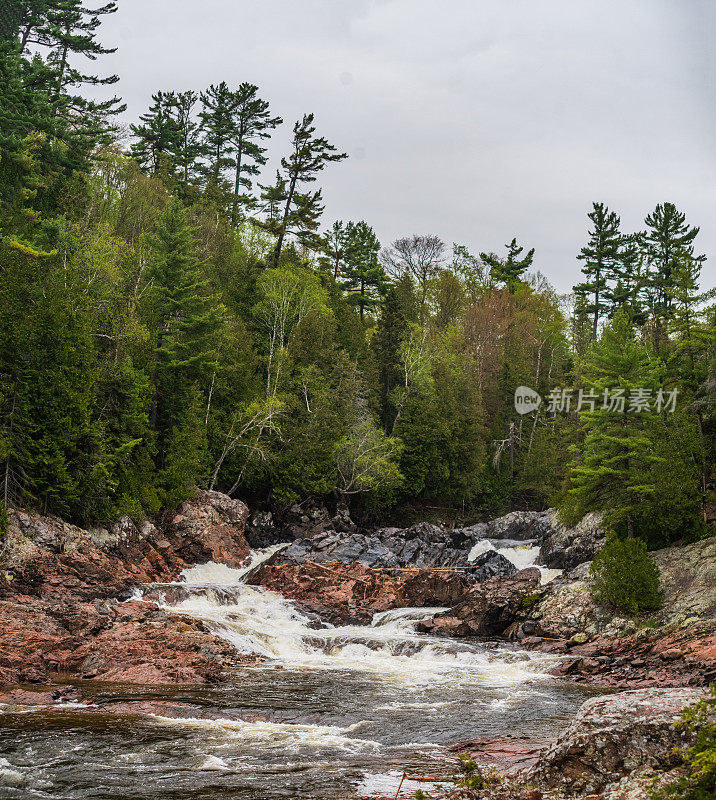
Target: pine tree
x: 217, y: 125
x: 332, y: 260
x: 626, y: 293
x: 185, y: 316
x: 11, y: 16
x: 613, y: 474
x: 159, y: 137
x: 692, y: 336
x: 400, y: 309
x: 600, y: 257
x: 190, y: 148
x: 291, y: 211
x: 252, y: 124
x: 365, y: 280
x: 667, y: 239
x: 510, y: 270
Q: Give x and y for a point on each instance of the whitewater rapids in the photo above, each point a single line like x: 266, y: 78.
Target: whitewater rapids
x: 328, y: 711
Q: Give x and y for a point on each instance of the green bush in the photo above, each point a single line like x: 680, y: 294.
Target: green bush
x: 626, y: 577
x: 4, y: 520
x: 699, y: 780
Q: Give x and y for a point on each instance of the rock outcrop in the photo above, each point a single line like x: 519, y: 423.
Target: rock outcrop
x: 614, y: 736
x: 60, y: 588
x: 488, y: 609
x: 422, y: 545
x: 352, y: 594
x: 675, y: 646
x: 566, y: 548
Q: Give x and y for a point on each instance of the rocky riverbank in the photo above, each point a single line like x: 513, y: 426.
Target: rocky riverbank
x: 64, y: 607
x: 69, y: 614
x: 618, y: 747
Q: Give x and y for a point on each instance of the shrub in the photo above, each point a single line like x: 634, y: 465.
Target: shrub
x: 699, y: 780
x: 626, y: 577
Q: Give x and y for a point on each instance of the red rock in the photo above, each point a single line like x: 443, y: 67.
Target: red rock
x: 340, y: 593
x: 488, y: 609
x: 58, y: 612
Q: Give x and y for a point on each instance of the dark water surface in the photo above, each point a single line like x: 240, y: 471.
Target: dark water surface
x: 332, y: 713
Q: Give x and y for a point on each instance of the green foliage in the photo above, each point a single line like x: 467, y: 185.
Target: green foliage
x: 512, y: 269
x: 600, y: 258
x: 626, y: 577
x: 155, y: 337
x: 185, y: 457
x: 699, y: 782
x: 290, y: 210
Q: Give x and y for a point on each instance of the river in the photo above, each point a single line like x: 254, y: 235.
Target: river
x: 333, y: 712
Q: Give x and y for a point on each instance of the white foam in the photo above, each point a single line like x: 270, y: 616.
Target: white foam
x: 522, y: 556
x: 257, y: 620
x: 213, y: 574
x: 214, y: 764
x: 274, y: 734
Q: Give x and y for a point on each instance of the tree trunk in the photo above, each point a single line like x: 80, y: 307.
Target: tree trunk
x: 284, y: 223
x: 237, y: 181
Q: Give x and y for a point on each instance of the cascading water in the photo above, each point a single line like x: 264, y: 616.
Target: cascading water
x: 329, y: 712
x: 521, y: 554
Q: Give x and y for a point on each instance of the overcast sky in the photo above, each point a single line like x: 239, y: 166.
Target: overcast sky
x: 476, y: 120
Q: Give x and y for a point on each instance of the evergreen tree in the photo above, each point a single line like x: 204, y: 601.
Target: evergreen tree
x: 400, y: 309
x: 510, y: 270
x: 614, y: 471
x: 159, y: 137
x: 185, y: 316
x: 11, y: 16
x: 692, y: 336
x: 291, y: 211
x: 365, y: 279
x: 667, y: 239
x: 332, y: 259
x: 217, y: 126
x: 627, y: 271
x: 189, y: 149
x: 252, y: 123
x: 600, y: 258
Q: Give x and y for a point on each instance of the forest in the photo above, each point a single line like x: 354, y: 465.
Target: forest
x: 168, y: 320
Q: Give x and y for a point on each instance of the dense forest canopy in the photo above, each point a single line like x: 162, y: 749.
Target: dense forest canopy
x: 168, y: 320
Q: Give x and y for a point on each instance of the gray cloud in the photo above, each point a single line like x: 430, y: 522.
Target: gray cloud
x: 477, y: 120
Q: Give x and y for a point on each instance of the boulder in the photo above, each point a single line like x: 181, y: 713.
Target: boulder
x: 518, y: 525
x: 566, y: 548
x: 210, y: 527
x: 353, y: 593
x: 614, y: 736
x: 488, y: 609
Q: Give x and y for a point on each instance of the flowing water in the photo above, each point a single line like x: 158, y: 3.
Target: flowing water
x: 332, y: 712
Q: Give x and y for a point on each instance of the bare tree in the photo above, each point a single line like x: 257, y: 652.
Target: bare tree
x: 248, y: 431
x: 421, y: 257
x: 366, y: 459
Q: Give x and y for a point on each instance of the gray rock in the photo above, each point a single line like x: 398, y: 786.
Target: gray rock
x: 566, y: 548
x: 614, y: 736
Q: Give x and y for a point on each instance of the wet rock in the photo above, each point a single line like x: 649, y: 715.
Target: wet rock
x: 566, y: 548
x: 518, y: 525
x: 210, y: 527
x: 59, y: 585
x: 613, y: 736
x: 488, y: 609
x: 353, y: 593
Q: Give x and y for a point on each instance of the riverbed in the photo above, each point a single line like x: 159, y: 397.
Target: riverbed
x: 330, y: 712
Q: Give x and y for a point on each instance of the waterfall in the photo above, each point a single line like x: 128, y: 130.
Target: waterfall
x: 257, y: 620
